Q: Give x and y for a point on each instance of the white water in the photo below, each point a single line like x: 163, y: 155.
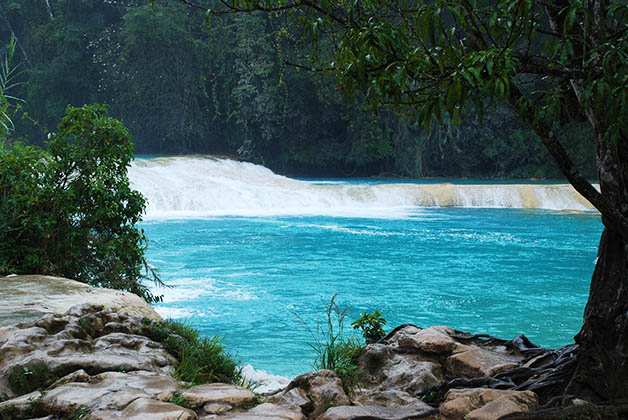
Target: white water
x: 203, y: 187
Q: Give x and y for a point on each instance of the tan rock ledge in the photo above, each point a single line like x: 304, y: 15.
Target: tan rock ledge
x: 28, y: 297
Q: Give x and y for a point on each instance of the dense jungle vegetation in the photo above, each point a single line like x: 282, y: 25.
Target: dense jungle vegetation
x: 183, y: 86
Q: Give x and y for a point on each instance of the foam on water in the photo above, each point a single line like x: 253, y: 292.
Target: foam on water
x: 264, y: 381
x: 193, y: 187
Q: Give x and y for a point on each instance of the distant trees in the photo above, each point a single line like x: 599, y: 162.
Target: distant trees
x: 181, y: 86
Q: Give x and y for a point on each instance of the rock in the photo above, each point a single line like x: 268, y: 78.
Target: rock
x: 266, y: 411
x: 485, y: 404
x: 295, y: 398
x: 26, y: 298
x: 235, y: 396
x: 386, y: 368
x: 20, y: 407
x: 57, y: 345
x: 146, y: 409
x: 378, y: 412
x: 476, y: 361
x: 322, y: 388
x: 387, y: 397
x: 429, y: 340
x: 108, y: 391
x: 76, y: 376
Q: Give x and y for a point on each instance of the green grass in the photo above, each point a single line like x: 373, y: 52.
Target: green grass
x: 200, y: 360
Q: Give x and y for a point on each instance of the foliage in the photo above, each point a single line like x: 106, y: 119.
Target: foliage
x: 371, y: 325
x: 8, y: 82
x: 26, y: 379
x: 200, y: 360
x: 183, y: 87
x: 334, y: 351
x: 70, y: 210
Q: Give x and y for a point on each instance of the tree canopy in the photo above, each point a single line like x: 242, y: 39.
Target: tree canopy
x: 553, y: 62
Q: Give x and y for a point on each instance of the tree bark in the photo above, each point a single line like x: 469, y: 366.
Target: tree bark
x: 602, y: 362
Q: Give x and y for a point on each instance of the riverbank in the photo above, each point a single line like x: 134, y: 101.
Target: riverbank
x: 103, y: 364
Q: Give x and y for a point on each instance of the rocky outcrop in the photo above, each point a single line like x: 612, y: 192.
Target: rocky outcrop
x: 96, y: 363
x: 27, y: 298
x: 485, y: 404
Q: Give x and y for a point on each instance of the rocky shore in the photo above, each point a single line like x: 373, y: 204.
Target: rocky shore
x: 92, y: 362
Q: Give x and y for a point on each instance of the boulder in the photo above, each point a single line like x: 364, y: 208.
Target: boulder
x: 477, y: 361
x: 485, y: 404
x: 266, y: 411
x: 322, y: 388
x: 234, y: 396
x: 294, y: 399
x: 429, y: 340
x: 377, y: 412
x: 387, y: 368
x: 27, y: 298
x: 146, y: 409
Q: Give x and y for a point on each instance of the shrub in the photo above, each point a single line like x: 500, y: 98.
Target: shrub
x: 200, y: 360
x: 70, y: 211
x: 371, y: 325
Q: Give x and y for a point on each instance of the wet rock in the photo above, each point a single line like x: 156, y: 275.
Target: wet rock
x: 378, y: 412
x: 235, y: 396
x: 322, y: 388
x: 476, y: 362
x: 26, y: 298
x: 146, y: 409
x: 266, y: 411
x: 485, y: 404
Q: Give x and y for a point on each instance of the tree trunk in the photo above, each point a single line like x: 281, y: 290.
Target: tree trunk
x: 602, y: 362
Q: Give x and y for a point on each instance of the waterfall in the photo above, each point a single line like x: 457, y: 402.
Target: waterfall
x: 199, y: 186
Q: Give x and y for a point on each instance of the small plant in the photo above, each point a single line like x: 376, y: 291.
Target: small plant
x: 334, y: 352
x: 200, y: 360
x: 371, y: 325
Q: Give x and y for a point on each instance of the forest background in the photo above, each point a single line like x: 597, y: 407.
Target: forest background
x: 182, y: 85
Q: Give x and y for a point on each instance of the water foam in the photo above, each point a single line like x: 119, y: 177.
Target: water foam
x: 196, y: 186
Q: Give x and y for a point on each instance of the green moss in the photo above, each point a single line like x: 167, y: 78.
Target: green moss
x: 199, y: 359
x: 25, y: 379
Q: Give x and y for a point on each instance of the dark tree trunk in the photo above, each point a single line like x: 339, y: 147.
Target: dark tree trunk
x: 602, y: 362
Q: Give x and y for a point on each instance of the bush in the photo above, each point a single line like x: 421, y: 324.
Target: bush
x: 200, y: 360
x: 70, y: 211
x: 371, y: 325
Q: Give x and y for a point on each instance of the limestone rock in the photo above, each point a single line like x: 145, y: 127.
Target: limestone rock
x: 26, y: 298
x: 322, y: 388
x: 294, y: 399
x: 108, y: 391
x: 485, y: 404
x: 378, y: 412
x: 477, y: 361
x: 266, y: 411
x: 146, y: 409
x: 61, y: 344
x: 389, y: 369
x: 200, y: 395
x: 386, y: 397
x: 429, y: 340
x: 20, y: 407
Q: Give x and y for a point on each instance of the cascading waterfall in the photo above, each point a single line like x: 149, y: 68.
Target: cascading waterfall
x: 200, y: 186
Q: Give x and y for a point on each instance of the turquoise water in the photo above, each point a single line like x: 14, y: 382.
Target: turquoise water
x: 498, y: 271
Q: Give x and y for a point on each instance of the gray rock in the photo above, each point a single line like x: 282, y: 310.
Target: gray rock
x: 322, y: 388
x: 378, y: 412
x: 146, y: 409
x: 26, y: 298
x: 266, y: 411
x: 477, y: 361
x: 235, y: 396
